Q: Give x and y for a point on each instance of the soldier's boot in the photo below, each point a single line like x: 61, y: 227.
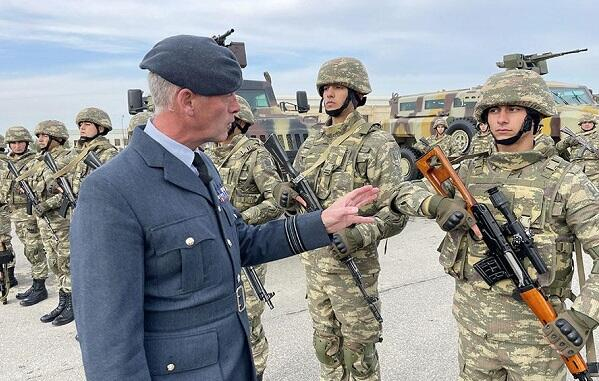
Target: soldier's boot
x: 26, y: 293
x: 67, y: 315
x: 37, y: 294
x: 11, y: 277
x: 50, y: 316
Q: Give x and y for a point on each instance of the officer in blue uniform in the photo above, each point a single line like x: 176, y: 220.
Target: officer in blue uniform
x: 157, y: 249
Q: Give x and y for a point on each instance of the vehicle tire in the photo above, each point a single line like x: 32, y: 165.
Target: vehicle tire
x: 462, y: 131
x: 409, y: 156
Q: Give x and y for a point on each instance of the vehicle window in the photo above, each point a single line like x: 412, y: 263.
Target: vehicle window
x: 407, y: 106
x: 571, y: 96
x: 256, y: 98
x: 434, y: 103
x: 457, y: 102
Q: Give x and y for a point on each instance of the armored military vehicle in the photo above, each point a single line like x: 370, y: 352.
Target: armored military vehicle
x: 282, y: 119
x: 411, y: 116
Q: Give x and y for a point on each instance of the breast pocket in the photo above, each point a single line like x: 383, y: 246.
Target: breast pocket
x: 177, y: 263
x: 332, y: 175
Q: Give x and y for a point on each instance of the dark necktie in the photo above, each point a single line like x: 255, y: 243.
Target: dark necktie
x: 202, y: 169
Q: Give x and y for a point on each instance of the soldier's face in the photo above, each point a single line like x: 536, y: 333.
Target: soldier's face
x: 43, y: 140
x: 87, y: 129
x: 587, y: 126
x: 483, y: 127
x: 440, y: 129
x: 334, y: 96
x: 505, y: 121
x: 18, y: 147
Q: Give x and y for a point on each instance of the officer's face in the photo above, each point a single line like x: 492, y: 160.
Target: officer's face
x: 87, y: 130
x: 505, y: 121
x: 334, y: 96
x: 18, y: 147
x: 587, y: 126
x: 213, y: 116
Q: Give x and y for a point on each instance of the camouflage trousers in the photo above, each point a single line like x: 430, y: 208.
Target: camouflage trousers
x: 29, y: 234
x: 484, y: 359
x: 345, y: 331
x: 254, y: 308
x: 58, y: 252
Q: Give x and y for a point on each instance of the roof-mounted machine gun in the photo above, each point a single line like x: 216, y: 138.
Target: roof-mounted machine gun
x: 536, y: 62
x: 238, y: 48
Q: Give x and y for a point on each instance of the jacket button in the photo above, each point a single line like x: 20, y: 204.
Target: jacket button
x: 189, y: 241
x: 170, y: 367
x: 229, y: 243
x: 219, y: 208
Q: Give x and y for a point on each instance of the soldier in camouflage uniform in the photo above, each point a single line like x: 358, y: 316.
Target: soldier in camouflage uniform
x: 588, y: 160
x: 499, y: 337
x: 482, y: 140
x: 5, y: 227
x: 446, y: 142
x: 347, y: 153
x: 19, y: 139
x: 52, y: 136
x: 249, y: 175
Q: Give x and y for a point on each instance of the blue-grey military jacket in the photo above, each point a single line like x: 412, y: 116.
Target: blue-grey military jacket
x: 155, y: 260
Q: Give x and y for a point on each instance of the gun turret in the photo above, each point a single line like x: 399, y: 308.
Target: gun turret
x: 238, y: 48
x: 536, y: 62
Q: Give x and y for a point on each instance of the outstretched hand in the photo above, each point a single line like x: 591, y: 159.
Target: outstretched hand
x: 344, y: 211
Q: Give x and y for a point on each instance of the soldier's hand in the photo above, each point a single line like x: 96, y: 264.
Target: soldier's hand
x: 286, y: 196
x: 347, y: 241
x: 40, y: 209
x: 569, y: 332
x: 450, y: 213
x: 344, y: 212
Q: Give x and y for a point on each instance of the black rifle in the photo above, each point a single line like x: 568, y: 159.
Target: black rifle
x: 69, y: 200
x: 32, y: 200
x: 582, y: 141
x: 6, y: 257
x: 258, y: 286
x: 302, y: 187
x: 505, y: 255
x: 92, y: 160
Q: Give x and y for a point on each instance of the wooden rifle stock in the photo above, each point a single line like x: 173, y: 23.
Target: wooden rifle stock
x: 533, y: 297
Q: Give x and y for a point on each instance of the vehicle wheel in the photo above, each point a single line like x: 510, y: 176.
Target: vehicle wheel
x: 462, y: 131
x: 409, y: 156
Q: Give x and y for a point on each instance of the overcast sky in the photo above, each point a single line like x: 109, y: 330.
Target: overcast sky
x: 57, y: 57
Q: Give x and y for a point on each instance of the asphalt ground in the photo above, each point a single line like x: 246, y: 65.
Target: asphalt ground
x: 419, y: 338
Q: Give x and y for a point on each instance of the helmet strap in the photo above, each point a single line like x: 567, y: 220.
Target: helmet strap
x: 531, y: 123
x: 337, y: 112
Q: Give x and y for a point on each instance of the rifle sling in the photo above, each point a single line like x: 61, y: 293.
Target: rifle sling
x: 73, y: 163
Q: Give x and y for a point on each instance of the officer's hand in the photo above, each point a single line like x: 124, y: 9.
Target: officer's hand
x: 40, y: 209
x: 569, y: 332
x: 344, y: 212
x: 450, y: 213
x: 347, y: 241
x: 286, y: 196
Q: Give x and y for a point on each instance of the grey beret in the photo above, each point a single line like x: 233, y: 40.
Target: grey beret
x: 195, y: 63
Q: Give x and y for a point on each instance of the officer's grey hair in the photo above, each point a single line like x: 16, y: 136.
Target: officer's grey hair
x: 162, y: 92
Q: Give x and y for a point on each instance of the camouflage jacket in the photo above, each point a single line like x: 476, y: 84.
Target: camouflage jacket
x: 249, y: 174
x: 10, y: 192
x: 581, y: 156
x: 101, y: 147
x: 367, y: 156
x: 552, y: 198
x: 446, y: 142
x: 41, y: 179
x: 481, y: 143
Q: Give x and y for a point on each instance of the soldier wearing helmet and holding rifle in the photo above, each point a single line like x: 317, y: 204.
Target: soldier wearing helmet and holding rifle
x: 501, y: 334
x: 347, y: 153
x: 584, y: 147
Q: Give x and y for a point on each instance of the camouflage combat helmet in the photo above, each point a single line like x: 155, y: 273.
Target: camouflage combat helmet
x: 439, y: 121
x: 587, y: 118
x: 53, y: 128
x: 18, y: 134
x: 138, y: 119
x: 523, y: 88
x: 245, y: 111
x: 92, y: 114
x: 345, y: 71
x: 1, y: 141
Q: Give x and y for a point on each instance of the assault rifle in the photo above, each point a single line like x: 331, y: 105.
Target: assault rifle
x: 6, y: 257
x: 258, y: 287
x: 581, y: 140
x: 302, y: 187
x: 92, y: 160
x: 69, y: 200
x: 32, y: 201
x: 505, y: 255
